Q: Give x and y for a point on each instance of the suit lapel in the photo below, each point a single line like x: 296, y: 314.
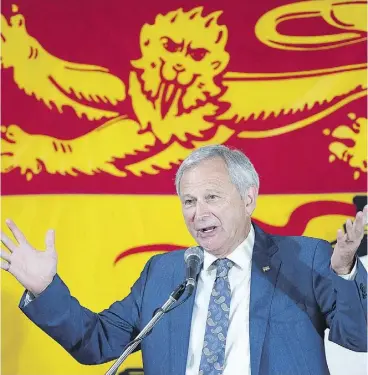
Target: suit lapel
x: 179, y: 322
x: 265, y: 270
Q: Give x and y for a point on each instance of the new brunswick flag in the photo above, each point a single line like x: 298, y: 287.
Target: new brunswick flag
x: 102, y: 100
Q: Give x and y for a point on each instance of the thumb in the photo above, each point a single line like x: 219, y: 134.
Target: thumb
x: 50, y: 240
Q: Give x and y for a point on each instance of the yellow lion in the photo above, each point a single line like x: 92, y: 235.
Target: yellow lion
x: 179, y: 89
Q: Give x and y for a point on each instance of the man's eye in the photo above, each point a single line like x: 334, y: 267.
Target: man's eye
x: 188, y: 202
x: 212, y: 197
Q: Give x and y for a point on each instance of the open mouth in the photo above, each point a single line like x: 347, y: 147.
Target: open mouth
x: 207, y: 229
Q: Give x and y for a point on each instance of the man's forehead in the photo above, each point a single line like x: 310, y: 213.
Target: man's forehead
x: 209, y: 167
x: 214, y: 182
x: 207, y: 183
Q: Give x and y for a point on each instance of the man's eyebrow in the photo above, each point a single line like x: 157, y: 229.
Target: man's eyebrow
x: 214, y: 191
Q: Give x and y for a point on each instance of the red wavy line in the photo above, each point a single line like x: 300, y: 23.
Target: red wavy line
x: 301, y: 216
x: 148, y: 248
x: 295, y: 226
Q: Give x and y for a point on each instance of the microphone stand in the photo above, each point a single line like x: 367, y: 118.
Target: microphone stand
x: 174, y: 296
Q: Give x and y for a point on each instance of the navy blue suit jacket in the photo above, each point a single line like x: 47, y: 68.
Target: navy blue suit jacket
x: 291, y: 305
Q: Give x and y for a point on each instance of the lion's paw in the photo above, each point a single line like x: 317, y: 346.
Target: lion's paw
x: 18, y: 150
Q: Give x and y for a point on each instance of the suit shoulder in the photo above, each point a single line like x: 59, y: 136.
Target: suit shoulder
x: 167, y: 259
x: 301, y: 240
x: 302, y: 247
x: 165, y: 267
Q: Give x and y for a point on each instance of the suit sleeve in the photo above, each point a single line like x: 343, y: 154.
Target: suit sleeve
x: 89, y: 337
x: 342, y: 302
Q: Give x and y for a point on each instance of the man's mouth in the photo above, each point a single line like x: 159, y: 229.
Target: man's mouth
x: 207, y: 232
x: 208, y: 229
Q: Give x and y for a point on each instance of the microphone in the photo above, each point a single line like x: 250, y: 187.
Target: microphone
x: 193, y: 258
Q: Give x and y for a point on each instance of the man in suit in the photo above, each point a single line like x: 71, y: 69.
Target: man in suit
x: 261, y: 304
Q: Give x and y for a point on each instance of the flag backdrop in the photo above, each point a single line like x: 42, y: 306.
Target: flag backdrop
x: 102, y: 100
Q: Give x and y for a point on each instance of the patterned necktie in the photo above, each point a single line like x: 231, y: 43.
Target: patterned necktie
x: 217, y: 324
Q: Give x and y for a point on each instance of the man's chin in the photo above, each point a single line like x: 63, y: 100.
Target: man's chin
x: 209, y: 246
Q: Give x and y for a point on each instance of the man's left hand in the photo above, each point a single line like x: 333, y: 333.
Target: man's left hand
x: 343, y: 257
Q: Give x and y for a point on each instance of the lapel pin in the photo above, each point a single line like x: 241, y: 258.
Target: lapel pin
x: 266, y: 268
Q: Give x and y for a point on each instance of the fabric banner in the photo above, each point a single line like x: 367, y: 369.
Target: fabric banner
x: 103, y: 100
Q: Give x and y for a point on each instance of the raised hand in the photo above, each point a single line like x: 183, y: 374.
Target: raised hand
x: 34, y: 269
x: 343, y: 257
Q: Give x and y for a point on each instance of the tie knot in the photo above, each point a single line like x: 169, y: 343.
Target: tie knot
x: 223, y: 267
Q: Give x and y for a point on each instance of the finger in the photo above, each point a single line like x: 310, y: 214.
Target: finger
x: 341, y: 237
x: 8, y: 242
x: 365, y: 215
x: 358, y: 226
x: 50, y: 240
x: 19, y: 236
x: 349, y: 231
x: 5, y: 255
x: 5, y: 265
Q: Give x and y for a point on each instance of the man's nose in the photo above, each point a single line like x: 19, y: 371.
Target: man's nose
x: 202, y: 210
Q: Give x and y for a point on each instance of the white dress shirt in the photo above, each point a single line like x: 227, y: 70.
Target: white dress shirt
x: 237, y: 352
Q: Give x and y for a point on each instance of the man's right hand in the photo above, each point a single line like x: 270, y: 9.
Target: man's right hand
x: 34, y: 269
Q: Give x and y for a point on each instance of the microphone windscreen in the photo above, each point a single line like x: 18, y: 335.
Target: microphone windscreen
x: 194, y: 251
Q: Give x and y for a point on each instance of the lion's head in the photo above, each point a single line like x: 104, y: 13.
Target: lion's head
x: 182, y: 53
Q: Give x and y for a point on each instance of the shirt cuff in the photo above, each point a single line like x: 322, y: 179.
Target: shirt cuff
x: 352, y: 274
x: 28, y: 298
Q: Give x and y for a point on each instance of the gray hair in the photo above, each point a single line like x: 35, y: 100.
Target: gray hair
x: 241, y: 171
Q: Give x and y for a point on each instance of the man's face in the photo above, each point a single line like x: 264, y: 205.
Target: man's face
x: 214, y: 212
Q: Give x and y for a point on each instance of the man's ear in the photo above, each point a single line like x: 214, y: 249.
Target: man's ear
x: 250, y: 199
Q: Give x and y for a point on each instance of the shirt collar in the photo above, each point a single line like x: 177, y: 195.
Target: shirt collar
x: 241, y: 256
